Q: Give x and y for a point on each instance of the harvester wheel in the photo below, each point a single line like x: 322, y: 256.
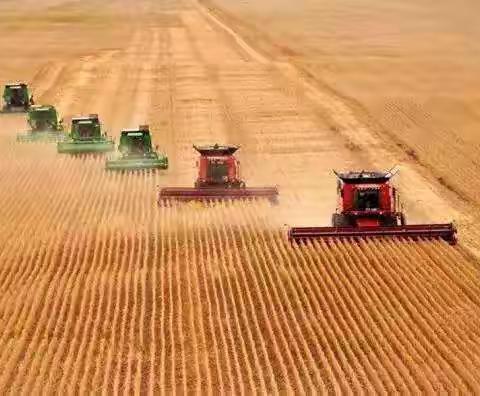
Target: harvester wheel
x: 390, y: 221
x: 339, y: 220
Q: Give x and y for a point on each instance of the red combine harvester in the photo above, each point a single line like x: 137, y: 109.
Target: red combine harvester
x: 369, y: 206
x: 218, y: 178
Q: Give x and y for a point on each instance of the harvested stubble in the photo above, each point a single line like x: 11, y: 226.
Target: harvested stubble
x: 120, y: 294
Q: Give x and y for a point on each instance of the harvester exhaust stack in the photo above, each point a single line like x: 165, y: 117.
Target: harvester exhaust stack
x: 369, y: 206
x: 218, y: 179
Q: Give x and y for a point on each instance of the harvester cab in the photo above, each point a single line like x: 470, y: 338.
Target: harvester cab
x: 86, y: 136
x: 136, y: 142
x: 16, y: 98
x: 367, y: 199
x: 43, y: 118
x: 86, y: 128
x: 218, y: 167
x: 218, y: 178
x: 136, y: 152
x: 369, y: 206
x: 45, y: 125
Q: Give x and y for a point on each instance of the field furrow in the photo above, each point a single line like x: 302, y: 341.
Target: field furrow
x: 104, y: 290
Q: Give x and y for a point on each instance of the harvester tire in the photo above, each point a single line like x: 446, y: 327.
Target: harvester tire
x: 390, y: 222
x: 339, y: 220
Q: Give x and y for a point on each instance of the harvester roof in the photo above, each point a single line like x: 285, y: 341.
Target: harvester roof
x: 366, y: 177
x: 41, y: 108
x: 91, y: 117
x: 134, y: 133
x: 16, y: 85
x: 216, y: 149
x: 140, y: 131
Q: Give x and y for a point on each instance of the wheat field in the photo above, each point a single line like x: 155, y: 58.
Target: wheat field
x: 115, y: 293
x: 103, y: 290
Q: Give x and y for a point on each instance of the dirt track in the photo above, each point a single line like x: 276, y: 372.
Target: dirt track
x: 102, y: 290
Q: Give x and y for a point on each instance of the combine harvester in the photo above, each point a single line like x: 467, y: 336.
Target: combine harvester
x: 369, y: 206
x: 218, y: 178
x: 16, y: 98
x: 86, y: 136
x: 136, y: 152
x: 45, y: 125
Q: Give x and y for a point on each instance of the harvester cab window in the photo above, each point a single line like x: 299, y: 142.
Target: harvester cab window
x: 84, y: 130
x: 16, y: 95
x: 41, y: 118
x: 367, y: 199
x: 217, y: 171
x: 135, y: 143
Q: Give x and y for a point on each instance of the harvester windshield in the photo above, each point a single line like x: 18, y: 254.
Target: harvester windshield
x: 367, y: 199
x: 86, y: 128
x: 135, y: 143
x: 217, y: 170
x: 16, y: 95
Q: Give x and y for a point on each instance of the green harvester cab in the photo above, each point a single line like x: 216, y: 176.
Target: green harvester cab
x: 86, y: 136
x: 16, y: 98
x: 136, y: 152
x: 45, y: 125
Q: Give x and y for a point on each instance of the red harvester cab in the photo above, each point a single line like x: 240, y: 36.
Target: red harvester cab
x: 367, y: 199
x: 218, y: 167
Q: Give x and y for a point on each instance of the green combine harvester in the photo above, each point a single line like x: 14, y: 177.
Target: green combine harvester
x: 45, y: 125
x: 136, y: 152
x: 16, y: 98
x: 86, y: 136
